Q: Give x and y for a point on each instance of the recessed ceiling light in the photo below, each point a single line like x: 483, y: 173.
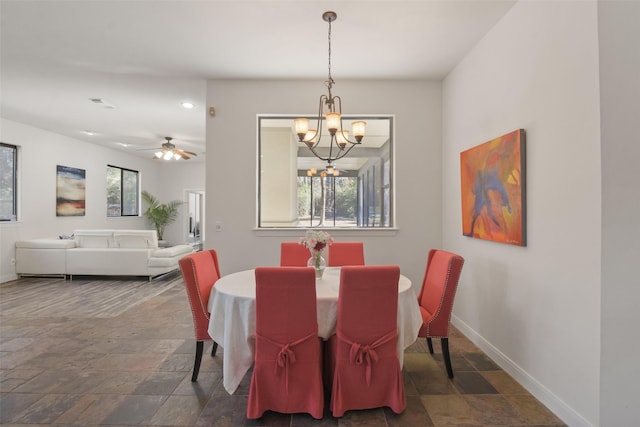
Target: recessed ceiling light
x: 188, y: 104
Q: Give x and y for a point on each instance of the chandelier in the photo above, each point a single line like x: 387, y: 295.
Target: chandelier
x: 330, y: 112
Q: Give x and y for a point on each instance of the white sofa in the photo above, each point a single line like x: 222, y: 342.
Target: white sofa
x: 99, y: 252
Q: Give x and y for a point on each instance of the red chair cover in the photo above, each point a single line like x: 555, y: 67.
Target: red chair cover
x: 346, y: 253
x: 287, y: 374
x: 363, y: 363
x: 200, y: 271
x: 293, y: 255
x: 436, y: 298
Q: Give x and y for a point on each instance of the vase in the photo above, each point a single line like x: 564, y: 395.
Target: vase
x: 318, y: 263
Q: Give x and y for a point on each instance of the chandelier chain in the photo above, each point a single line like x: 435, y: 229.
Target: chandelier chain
x: 330, y: 79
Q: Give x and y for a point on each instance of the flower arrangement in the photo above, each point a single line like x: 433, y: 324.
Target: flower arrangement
x: 316, y: 241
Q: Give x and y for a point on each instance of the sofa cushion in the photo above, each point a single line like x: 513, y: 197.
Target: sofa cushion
x: 46, y: 244
x: 172, y: 251
x: 94, y: 238
x: 132, y: 241
x: 136, y: 238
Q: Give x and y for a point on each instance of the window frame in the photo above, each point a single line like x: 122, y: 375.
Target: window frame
x: 13, y: 216
x: 387, y: 219
x: 122, y: 192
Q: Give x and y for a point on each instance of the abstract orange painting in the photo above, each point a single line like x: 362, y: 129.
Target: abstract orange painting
x: 493, y: 190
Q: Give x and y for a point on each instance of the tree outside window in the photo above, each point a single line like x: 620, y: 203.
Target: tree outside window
x: 122, y: 192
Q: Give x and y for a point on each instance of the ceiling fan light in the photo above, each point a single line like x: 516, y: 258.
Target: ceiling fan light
x: 158, y: 154
x: 168, y: 155
x: 177, y: 156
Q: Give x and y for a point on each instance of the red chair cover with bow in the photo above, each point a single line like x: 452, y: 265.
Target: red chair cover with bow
x: 200, y: 271
x: 436, y: 299
x: 293, y: 254
x: 346, y: 253
x: 287, y: 373
x: 363, y: 363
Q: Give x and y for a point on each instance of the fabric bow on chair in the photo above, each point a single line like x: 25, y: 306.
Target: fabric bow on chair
x: 366, y: 340
x: 366, y: 354
x: 286, y: 357
x: 287, y: 373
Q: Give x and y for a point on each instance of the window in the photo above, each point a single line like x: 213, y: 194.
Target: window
x: 295, y: 191
x: 327, y: 201
x: 8, y: 182
x: 122, y: 192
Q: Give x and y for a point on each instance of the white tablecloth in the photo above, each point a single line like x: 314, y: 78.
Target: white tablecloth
x: 232, y: 305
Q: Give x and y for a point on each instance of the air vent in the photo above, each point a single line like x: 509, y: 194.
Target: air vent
x: 102, y: 102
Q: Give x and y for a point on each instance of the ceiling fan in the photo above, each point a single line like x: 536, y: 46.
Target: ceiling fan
x: 169, y: 151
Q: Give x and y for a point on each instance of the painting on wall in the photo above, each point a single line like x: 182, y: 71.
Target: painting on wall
x: 71, y: 189
x: 492, y: 178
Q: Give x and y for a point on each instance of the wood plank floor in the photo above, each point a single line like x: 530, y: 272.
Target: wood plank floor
x: 81, y: 297
x: 66, y: 365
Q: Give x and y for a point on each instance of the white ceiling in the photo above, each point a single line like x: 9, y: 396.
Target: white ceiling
x: 146, y: 57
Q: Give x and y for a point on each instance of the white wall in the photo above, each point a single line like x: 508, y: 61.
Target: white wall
x: 619, y: 34
x: 231, y: 167
x: 39, y: 153
x: 177, y: 178
x: 535, y: 309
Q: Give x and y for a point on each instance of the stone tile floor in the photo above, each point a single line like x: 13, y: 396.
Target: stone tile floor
x: 135, y: 369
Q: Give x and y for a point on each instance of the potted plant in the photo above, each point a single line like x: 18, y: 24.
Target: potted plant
x: 160, y: 214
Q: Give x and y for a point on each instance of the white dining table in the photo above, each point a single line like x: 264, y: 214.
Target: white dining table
x: 232, y: 324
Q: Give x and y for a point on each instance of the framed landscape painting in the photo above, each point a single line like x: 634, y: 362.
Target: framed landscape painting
x: 492, y: 178
x: 70, y: 191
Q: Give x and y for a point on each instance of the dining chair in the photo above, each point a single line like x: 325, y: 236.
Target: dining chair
x: 200, y: 271
x: 362, y: 361
x: 293, y: 254
x: 436, y: 299
x: 287, y: 371
x: 346, y: 253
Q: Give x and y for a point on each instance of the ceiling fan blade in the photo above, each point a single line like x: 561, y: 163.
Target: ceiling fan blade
x: 191, y: 153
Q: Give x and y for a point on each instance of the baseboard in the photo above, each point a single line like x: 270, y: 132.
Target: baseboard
x: 533, y: 386
x: 8, y: 277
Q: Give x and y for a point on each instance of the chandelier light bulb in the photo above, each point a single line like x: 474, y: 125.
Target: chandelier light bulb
x: 302, y: 127
x: 341, y: 138
x: 357, y: 129
x: 333, y: 122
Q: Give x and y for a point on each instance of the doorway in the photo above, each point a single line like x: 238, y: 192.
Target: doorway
x: 195, y: 218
